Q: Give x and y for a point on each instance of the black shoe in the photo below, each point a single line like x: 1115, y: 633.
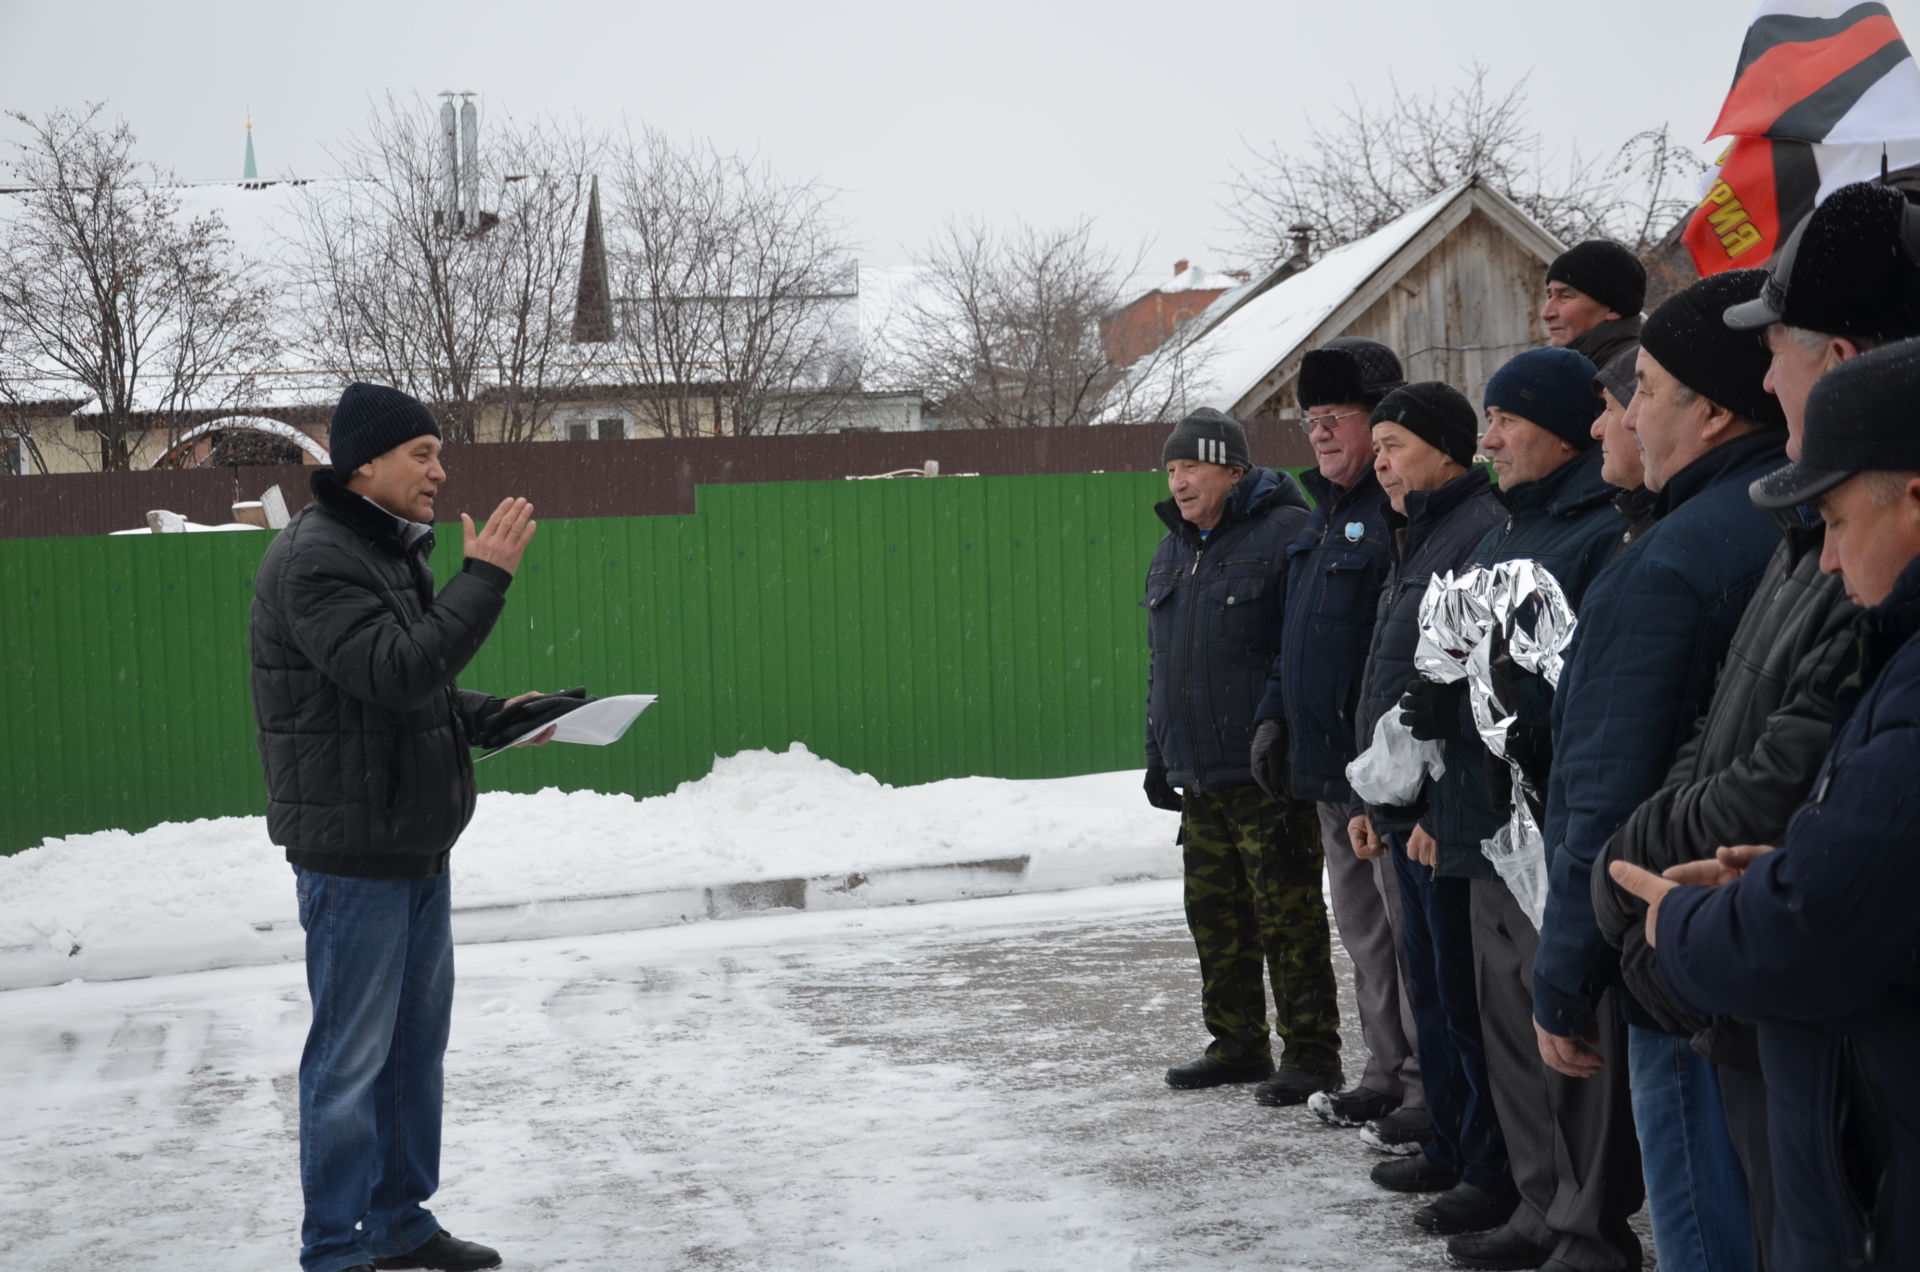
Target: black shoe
x: 1350, y: 1108
x: 1208, y: 1072
x: 444, y: 1252
x: 1416, y: 1174
x: 1464, y: 1208
x: 1502, y: 1250
x: 1402, y: 1132
x: 1289, y: 1085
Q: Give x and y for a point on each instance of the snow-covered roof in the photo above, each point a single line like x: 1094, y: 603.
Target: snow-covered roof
x: 1237, y: 341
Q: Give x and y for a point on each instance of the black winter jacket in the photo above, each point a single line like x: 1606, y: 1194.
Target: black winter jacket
x: 1609, y: 340
x: 1820, y: 943
x: 1213, y: 624
x: 1652, y: 634
x: 362, y: 734
x: 1567, y: 523
x: 1334, y: 572
x: 1439, y: 531
x: 1742, y: 774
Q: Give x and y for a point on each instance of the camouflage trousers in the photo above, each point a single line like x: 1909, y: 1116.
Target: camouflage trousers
x: 1255, y: 908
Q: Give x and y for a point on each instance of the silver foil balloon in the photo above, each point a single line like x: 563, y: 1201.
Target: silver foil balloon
x: 1465, y: 621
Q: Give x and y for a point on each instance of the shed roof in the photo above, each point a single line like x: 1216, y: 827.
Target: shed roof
x: 1232, y: 347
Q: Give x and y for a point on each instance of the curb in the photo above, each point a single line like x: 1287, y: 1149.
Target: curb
x: 281, y: 940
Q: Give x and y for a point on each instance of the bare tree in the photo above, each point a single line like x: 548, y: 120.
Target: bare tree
x: 1004, y: 329
x: 108, y: 289
x: 735, y: 297
x: 462, y: 310
x: 1369, y: 165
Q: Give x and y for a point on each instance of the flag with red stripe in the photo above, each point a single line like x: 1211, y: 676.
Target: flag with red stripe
x: 1822, y: 88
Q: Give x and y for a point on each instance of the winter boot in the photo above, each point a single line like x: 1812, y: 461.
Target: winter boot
x: 444, y: 1252
x: 1208, y: 1072
x: 1416, y: 1174
x: 1502, y: 1250
x: 1289, y: 1085
x: 1464, y: 1208
x: 1402, y: 1132
x: 1351, y: 1108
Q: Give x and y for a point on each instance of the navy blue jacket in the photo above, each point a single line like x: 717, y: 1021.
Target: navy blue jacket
x: 1213, y: 623
x: 1439, y: 530
x: 1653, y: 631
x: 1566, y: 521
x: 1820, y: 944
x: 1334, y: 572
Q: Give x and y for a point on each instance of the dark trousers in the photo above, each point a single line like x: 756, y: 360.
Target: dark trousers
x: 1743, y: 1097
x: 1446, y: 1014
x: 1258, y: 917
x: 1571, y: 1141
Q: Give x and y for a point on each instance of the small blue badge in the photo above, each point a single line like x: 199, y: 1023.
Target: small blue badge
x: 1356, y: 530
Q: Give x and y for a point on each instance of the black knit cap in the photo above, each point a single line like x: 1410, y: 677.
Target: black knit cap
x: 1348, y: 369
x: 1438, y: 414
x: 372, y: 419
x: 1210, y: 436
x: 1689, y: 338
x: 1850, y: 268
x: 1605, y: 271
x: 1860, y: 418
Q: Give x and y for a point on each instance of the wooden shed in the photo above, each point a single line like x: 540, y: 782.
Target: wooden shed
x: 1454, y: 287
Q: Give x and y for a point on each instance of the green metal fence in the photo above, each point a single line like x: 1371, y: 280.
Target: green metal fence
x: 909, y: 629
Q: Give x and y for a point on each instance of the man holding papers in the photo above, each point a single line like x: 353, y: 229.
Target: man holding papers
x: 364, y: 739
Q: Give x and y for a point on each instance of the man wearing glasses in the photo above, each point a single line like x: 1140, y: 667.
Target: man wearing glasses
x: 1305, y: 736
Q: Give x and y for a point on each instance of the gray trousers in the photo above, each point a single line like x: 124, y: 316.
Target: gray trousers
x: 1571, y: 1142
x: 1366, y: 910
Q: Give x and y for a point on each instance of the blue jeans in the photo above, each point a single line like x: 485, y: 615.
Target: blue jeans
x: 1695, y: 1191
x: 1438, y: 935
x: 380, y: 974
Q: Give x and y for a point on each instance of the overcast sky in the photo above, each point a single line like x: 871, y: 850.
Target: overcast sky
x: 1132, y: 113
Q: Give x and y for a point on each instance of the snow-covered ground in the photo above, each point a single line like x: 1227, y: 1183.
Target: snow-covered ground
x: 191, y: 896
x: 970, y: 1085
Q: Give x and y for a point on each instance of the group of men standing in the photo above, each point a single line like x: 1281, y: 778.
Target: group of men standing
x: 1712, y: 1015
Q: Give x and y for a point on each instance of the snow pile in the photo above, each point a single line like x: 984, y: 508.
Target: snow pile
x: 191, y: 895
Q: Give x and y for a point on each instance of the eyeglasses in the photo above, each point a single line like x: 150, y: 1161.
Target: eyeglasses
x: 1328, y: 422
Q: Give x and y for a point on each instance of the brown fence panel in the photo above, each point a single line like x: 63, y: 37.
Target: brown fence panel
x: 616, y: 479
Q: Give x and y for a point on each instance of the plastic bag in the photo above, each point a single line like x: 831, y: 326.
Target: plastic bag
x: 1393, y: 768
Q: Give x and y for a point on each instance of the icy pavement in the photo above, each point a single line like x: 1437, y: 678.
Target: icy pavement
x: 974, y: 1085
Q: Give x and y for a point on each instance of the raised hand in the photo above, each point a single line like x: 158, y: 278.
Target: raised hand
x: 505, y: 536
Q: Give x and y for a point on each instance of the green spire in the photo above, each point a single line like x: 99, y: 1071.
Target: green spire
x: 250, y: 173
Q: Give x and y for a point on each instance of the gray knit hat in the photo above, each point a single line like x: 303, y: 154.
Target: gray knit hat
x: 1209, y: 436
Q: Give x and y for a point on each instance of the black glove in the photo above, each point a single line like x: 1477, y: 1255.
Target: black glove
x: 1530, y: 744
x: 1159, y: 793
x: 510, y: 722
x: 1267, y: 757
x: 1431, y: 711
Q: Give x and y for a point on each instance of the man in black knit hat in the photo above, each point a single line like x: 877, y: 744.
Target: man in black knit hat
x: 1654, y: 631
x: 1305, y: 737
x: 1594, y: 293
x: 1252, y: 861
x: 1846, y: 281
x: 364, y: 740
x: 1442, y: 505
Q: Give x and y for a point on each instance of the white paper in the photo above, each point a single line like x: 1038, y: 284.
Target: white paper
x: 596, y: 724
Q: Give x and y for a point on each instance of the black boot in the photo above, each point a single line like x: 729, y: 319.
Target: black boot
x: 1289, y: 1085
x: 1208, y: 1072
x: 1464, y: 1208
x: 1351, y: 1108
x: 444, y: 1252
x: 1502, y: 1250
x: 1402, y: 1132
x: 1416, y: 1174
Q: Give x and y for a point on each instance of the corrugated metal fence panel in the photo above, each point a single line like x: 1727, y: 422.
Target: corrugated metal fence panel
x: 125, y: 665
x: 910, y: 629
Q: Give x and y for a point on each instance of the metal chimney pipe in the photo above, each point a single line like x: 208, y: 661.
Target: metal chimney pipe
x: 449, y: 183
x: 470, y: 163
